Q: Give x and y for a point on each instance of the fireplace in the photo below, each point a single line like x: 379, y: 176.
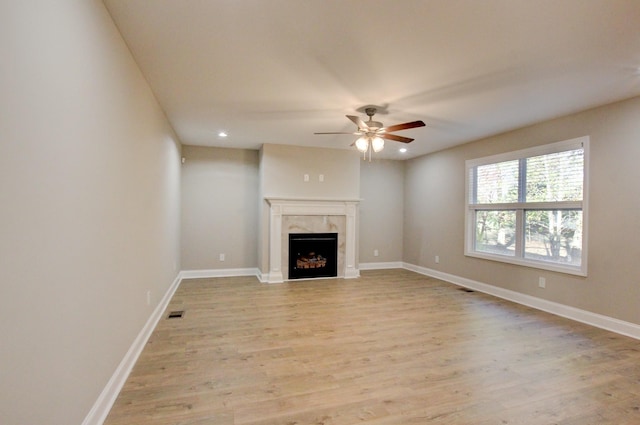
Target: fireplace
x: 288, y: 216
x: 313, y: 255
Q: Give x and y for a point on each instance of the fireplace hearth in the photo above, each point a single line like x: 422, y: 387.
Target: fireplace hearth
x: 313, y: 255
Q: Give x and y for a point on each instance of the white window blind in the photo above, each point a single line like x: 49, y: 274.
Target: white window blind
x: 528, y: 207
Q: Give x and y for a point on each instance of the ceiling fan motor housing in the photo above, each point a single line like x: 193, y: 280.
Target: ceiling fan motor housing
x: 373, y: 125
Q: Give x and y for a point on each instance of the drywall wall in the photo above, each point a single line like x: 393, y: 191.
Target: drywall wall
x: 381, y: 210
x: 284, y: 168
x: 219, y: 208
x: 434, y: 213
x: 89, y: 222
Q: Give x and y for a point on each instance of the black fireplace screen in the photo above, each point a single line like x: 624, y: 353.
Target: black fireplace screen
x: 313, y: 255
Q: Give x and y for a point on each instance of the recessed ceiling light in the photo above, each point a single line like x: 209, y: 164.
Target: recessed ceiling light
x: 402, y: 150
x: 222, y: 134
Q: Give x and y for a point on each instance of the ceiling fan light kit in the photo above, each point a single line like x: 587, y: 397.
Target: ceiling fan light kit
x: 362, y: 144
x: 377, y: 143
x: 367, y: 143
x: 373, y: 133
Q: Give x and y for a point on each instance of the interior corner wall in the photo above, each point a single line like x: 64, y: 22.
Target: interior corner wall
x: 435, y: 216
x: 220, y: 208
x: 263, y: 220
x: 90, y: 195
x: 381, y: 211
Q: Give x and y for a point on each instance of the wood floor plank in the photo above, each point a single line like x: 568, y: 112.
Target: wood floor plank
x: 392, y: 347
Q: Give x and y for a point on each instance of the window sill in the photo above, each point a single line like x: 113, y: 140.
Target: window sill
x: 577, y: 271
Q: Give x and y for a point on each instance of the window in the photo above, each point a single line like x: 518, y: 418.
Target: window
x: 529, y: 207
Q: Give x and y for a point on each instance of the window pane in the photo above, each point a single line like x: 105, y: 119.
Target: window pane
x: 554, y: 236
x: 555, y: 177
x: 496, y: 232
x: 497, y: 183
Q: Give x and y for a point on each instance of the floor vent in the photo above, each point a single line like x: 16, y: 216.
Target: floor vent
x: 175, y: 315
x: 467, y: 290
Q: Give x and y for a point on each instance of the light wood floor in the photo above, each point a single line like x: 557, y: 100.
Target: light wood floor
x: 392, y: 347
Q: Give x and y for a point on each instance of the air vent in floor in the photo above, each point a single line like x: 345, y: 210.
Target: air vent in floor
x: 176, y: 314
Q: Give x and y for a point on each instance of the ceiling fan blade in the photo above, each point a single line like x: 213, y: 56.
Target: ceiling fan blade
x: 357, y: 121
x: 396, y: 138
x: 341, y: 132
x: 405, y: 126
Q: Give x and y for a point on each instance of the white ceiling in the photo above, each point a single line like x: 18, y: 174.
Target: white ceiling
x: 276, y: 71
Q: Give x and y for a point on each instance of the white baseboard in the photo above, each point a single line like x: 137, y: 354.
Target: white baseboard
x: 598, y: 320
x: 382, y: 266
x: 103, y: 405
x: 263, y: 277
x: 107, y: 398
x: 198, y: 274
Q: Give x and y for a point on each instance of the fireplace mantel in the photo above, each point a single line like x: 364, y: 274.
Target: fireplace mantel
x: 280, y: 207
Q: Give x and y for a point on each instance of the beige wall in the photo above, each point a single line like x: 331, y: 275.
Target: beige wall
x: 219, y: 208
x: 284, y: 167
x: 381, y: 210
x: 434, y: 213
x: 89, y: 207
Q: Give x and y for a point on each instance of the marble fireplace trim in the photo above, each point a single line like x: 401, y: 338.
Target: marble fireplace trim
x: 280, y: 207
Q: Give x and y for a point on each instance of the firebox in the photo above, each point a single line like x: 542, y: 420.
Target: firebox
x: 313, y: 255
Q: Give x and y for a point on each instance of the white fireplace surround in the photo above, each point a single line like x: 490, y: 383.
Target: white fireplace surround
x: 280, y: 207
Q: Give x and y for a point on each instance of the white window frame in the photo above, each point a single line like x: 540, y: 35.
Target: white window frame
x: 520, y: 207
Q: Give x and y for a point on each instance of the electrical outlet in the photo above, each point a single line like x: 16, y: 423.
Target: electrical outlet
x: 148, y: 297
x: 222, y: 256
x: 375, y: 253
x: 321, y: 178
x: 306, y: 177
x: 542, y: 282
x: 437, y: 259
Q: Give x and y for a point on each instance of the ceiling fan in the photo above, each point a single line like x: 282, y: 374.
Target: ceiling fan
x: 373, y: 133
